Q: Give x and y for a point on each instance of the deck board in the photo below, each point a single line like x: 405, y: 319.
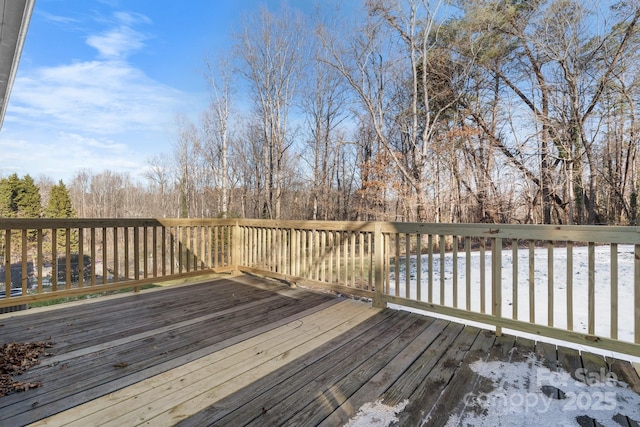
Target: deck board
x: 249, y: 351
x: 245, y: 406
x: 333, y: 384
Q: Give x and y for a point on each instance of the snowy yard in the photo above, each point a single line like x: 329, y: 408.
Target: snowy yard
x: 540, y: 289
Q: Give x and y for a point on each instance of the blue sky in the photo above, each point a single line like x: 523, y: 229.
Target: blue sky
x: 100, y: 82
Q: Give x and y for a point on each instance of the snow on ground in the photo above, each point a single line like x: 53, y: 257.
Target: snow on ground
x: 376, y: 414
x: 518, y: 400
x: 579, y: 274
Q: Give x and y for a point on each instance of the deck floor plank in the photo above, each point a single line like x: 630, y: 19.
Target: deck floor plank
x: 425, y: 396
x: 335, y: 383
x: 90, y: 371
x: 246, y: 405
x: 453, y: 400
x: 379, y: 383
x: 229, y: 351
x: 93, y: 313
x: 569, y: 360
x: 422, y: 366
x: 164, y: 393
x: 64, y: 386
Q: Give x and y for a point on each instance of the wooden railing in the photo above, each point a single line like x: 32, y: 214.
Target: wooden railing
x: 574, y: 283
x: 46, y: 259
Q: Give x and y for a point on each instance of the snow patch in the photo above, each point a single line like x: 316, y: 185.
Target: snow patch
x: 518, y: 399
x: 377, y: 414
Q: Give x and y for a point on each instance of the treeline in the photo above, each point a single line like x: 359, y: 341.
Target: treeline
x: 499, y: 111
x: 22, y: 198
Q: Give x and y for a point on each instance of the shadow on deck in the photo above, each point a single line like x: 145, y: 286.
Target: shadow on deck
x: 247, y: 351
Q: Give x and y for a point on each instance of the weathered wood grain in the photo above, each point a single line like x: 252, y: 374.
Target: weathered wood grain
x: 229, y: 352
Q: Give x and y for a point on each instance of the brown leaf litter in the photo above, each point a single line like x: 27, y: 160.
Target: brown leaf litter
x: 16, y: 358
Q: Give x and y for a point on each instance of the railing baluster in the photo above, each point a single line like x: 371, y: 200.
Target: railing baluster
x: 331, y: 237
x: 353, y: 260
x: 80, y: 257
x: 40, y: 260
x: 514, y: 279
x: 23, y: 264
x: 7, y: 264
x: 361, y: 256
x: 155, y: 251
x: 407, y: 265
x: 592, y: 290
x: 67, y: 245
x: 418, y: 267
x: 430, y: 262
x: 387, y: 264
x: 145, y: 252
x: 323, y: 254
x: 105, y: 258
x: 163, y: 249
x: 483, y: 275
x: 496, y: 280
x: 614, y: 290
x: 203, y: 258
x: 54, y: 259
x: 442, y: 248
x: 338, y: 257
x: 136, y: 253
x: 116, y: 257
x: 467, y: 248
x: 92, y: 233
x: 397, y: 265
x: 570, y: 286
x: 550, y: 292
x: 454, y: 254
x: 532, y: 283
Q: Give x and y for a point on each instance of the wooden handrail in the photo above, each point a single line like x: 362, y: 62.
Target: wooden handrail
x: 514, y: 282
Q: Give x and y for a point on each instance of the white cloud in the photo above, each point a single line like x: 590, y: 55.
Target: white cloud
x: 122, y: 39
x: 98, y: 113
x: 117, y: 43
x: 105, y: 97
x: 57, y: 19
x: 61, y: 154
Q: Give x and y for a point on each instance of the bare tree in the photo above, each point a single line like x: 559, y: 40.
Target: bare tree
x: 216, y: 126
x: 324, y: 104
x: 160, y: 176
x: 548, y: 57
x: 273, y: 52
x: 394, y: 66
x: 185, y: 163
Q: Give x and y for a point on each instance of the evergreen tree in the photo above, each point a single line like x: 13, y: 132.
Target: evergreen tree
x: 59, y: 205
x: 28, y: 200
x: 19, y: 198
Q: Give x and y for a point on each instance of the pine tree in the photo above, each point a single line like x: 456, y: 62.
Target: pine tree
x: 28, y: 200
x: 59, y: 205
x: 19, y: 198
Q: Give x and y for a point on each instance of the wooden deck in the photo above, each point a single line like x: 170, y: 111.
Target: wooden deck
x: 247, y: 351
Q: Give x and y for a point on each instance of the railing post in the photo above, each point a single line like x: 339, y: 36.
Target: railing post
x: 496, y: 280
x: 378, y: 264
x: 235, y: 248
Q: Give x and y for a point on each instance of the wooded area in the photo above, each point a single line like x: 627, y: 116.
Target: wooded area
x: 497, y: 111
